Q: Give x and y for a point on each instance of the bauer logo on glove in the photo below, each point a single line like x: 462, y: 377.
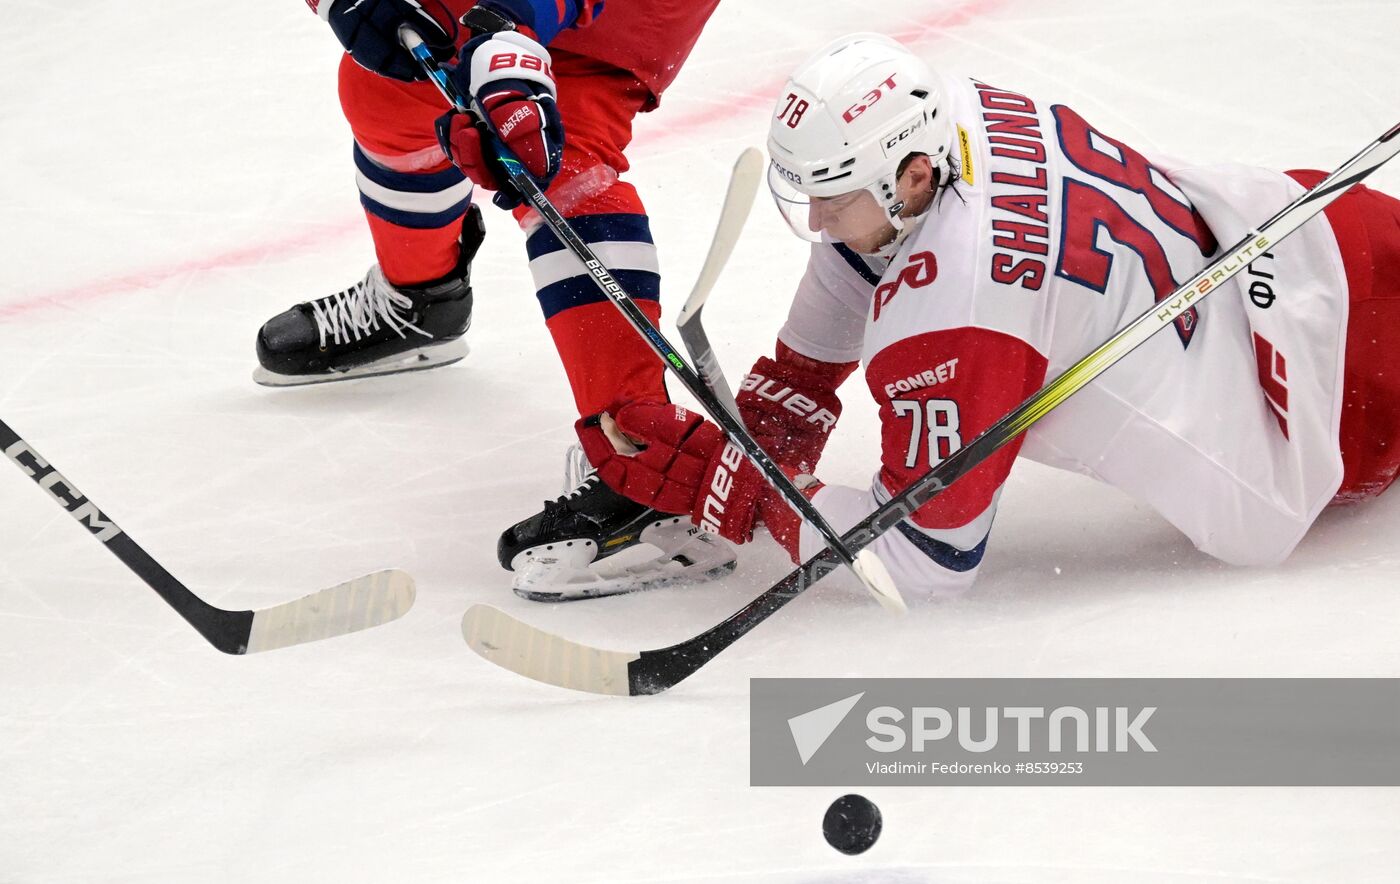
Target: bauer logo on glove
x: 508, y: 76
x: 673, y: 460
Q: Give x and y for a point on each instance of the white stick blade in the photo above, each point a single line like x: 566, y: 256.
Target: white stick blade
x: 876, y: 577
x: 738, y: 200
x: 515, y: 645
x: 357, y: 604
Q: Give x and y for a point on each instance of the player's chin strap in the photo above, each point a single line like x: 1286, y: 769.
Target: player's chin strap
x: 905, y: 226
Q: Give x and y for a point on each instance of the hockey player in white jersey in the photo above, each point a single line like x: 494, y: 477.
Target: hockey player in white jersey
x: 968, y: 242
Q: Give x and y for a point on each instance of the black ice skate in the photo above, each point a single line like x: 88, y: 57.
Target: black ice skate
x: 551, y: 552
x: 373, y: 328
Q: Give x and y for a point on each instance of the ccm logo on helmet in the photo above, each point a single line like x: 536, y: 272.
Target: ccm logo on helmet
x: 870, y: 98
x: 896, y: 137
x: 730, y: 459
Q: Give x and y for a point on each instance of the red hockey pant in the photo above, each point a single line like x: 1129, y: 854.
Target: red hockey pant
x: 1366, y: 223
x: 392, y: 122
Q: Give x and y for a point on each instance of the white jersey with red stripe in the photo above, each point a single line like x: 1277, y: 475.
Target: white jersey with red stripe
x: 1054, y: 236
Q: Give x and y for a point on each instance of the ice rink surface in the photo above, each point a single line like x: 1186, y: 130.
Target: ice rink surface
x: 172, y: 178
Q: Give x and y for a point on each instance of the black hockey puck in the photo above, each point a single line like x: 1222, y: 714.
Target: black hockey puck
x: 852, y: 824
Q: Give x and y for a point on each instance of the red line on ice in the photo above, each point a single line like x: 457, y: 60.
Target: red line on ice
x: 143, y: 279
x: 916, y: 34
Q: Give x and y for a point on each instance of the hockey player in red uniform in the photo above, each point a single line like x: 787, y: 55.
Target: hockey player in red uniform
x: 968, y: 242
x: 566, y: 112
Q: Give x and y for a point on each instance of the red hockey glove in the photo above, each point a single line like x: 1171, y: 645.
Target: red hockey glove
x: 675, y: 461
x: 509, y: 74
x: 790, y: 405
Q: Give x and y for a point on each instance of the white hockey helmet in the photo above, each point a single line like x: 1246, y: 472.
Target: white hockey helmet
x: 844, y: 122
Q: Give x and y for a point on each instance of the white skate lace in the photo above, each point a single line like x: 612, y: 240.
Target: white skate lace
x: 360, y: 310
x: 562, y: 501
x: 577, y: 470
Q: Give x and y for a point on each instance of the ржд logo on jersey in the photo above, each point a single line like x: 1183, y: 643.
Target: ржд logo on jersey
x: 921, y: 270
x: 1273, y: 378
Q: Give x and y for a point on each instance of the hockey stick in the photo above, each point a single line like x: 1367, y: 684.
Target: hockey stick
x: 542, y: 656
x: 738, y: 200
x: 348, y: 607
x: 867, y: 567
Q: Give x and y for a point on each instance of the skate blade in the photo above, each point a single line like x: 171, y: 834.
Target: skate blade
x: 415, y: 360
x: 688, y: 555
